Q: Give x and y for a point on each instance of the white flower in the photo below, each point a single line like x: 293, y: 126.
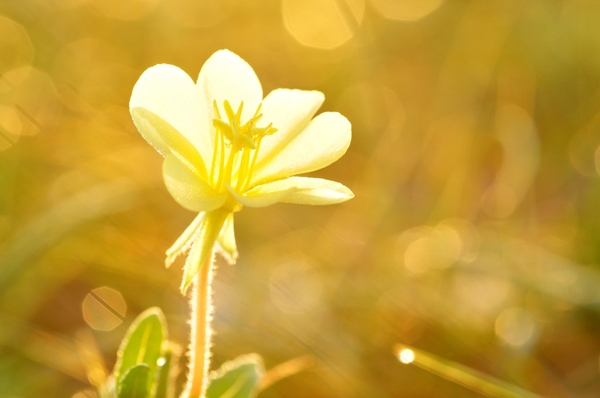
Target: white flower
x: 225, y: 147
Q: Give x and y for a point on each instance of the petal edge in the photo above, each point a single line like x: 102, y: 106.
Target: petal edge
x: 305, y: 190
x: 188, y: 189
x: 170, y: 93
x: 226, y: 76
x: 322, y: 142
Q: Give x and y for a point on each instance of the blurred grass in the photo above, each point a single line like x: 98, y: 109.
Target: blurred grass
x: 471, y: 379
x: 474, y: 234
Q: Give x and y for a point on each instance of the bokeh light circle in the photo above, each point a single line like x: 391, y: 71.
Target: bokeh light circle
x: 324, y: 24
x: 127, y: 10
x: 104, y: 308
x: 406, y: 10
x: 15, y: 46
x: 433, y: 248
x: 10, y: 127
x: 516, y: 327
x: 33, y: 96
x: 91, y: 73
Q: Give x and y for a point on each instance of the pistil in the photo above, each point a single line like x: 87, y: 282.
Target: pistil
x: 239, y: 144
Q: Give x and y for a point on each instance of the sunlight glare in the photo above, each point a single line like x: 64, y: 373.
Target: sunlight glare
x: 406, y: 356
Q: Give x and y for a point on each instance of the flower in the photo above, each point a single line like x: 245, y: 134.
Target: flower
x: 225, y: 147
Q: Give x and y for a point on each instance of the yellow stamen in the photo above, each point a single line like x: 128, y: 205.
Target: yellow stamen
x: 242, y: 173
x: 251, y: 167
x: 215, y: 153
x: 237, y: 143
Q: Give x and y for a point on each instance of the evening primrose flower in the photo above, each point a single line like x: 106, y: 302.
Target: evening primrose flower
x: 225, y: 147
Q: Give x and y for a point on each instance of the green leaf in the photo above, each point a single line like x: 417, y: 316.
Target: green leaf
x: 134, y: 383
x: 142, y: 345
x: 239, y: 378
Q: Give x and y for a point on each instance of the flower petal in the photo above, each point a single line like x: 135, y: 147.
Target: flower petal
x: 188, y: 189
x: 290, y: 112
x: 170, y: 93
x: 304, y: 190
x: 261, y: 198
x: 166, y: 139
x: 317, y: 191
x: 225, y: 76
x: 322, y: 142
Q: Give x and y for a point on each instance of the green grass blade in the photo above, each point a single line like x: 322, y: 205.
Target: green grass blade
x: 460, y: 374
x: 165, y: 380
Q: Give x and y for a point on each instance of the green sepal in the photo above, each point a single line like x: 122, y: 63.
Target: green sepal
x: 202, y: 248
x: 183, y: 243
x: 142, y: 345
x: 239, y: 378
x: 226, y: 241
x: 134, y: 383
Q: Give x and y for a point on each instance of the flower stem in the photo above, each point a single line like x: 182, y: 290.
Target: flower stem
x: 201, y: 332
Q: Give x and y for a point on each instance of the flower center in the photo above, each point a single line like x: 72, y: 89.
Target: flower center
x: 236, y: 147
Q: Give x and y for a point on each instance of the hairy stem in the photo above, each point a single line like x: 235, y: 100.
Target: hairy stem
x: 201, y: 331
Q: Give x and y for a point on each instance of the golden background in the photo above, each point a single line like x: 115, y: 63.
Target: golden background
x: 474, y: 234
